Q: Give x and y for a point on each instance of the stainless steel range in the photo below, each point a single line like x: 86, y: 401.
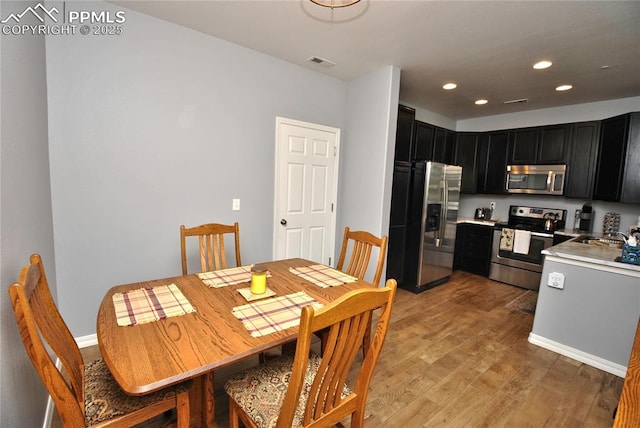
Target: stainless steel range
x: 517, y: 245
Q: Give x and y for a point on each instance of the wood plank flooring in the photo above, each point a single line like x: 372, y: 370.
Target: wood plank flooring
x: 456, y: 357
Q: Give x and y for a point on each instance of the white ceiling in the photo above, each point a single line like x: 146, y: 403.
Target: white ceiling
x: 487, y: 47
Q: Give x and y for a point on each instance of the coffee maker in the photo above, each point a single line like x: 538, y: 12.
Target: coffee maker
x: 586, y: 218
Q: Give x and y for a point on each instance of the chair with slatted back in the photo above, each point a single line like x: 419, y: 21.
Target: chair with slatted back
x: 360, y: 244
x: 84, y: 395
x: 304, y: 391
x: 211, y: 239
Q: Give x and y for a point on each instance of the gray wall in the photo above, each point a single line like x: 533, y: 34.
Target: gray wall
x: 365, y: 190
x: 25, y: 210
x: 159, y: 127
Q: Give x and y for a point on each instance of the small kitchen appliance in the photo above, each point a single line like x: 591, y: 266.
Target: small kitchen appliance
x: 586, y: 216
x: 483, y: 214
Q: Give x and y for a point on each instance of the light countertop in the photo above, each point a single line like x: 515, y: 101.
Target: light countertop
x: 602, y: 256
x: 472, y: 220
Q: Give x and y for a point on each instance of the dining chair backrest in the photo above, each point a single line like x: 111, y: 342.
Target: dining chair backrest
x: 362, y: 245
x: 41, y: 326
x: 36, y: 314
x: 211, y: 241
x: 347, y: 319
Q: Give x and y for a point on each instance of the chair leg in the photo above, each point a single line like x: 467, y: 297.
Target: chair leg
x: 233, y: 414
x: 183, y: 410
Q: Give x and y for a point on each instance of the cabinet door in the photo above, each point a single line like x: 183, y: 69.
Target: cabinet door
x: 423, y: 141
x: 613, y: 147
x: 631, y: 180
x: 581, y: 162
x: 404, y: 133
x: 444, y: 146
x: 473, y: 248
x: 493, y: 170
x: 467, y: 156
x: 523, y: 146
x: 552, y: 144
x: 400, y: 196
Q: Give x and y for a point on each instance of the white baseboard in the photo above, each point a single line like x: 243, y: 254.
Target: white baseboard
x: 83, y: 342
x: 576, y: 354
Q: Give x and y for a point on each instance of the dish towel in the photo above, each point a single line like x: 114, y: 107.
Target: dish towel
x: 225, y: 277
x: 506, y: 239
x: 521, y: 242
x: 323, y: 276
x: 150, y: 304
x: 272, y: 315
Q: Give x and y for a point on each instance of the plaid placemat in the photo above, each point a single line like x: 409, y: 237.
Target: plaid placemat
x: 224, y: 277
x: 150, y: 304
x: 272, y: 315
x: 323, y: 276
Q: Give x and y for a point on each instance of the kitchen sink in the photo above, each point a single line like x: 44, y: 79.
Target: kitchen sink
x: 600, y: 242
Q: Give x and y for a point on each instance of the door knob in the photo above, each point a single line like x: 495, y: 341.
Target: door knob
x: 283, y: 222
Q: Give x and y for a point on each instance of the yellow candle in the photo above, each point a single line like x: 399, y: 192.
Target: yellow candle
x: 258, y: 279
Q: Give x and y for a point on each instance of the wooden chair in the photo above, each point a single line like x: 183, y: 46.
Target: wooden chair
x: 303, y: 391
x: 211, y: 237
x: 85, y: 395
x: 363, y: 244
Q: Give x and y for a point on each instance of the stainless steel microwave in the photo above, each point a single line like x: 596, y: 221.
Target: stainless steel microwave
x: 536, y: 179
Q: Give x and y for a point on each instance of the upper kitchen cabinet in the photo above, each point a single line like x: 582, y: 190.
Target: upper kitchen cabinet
x: 539, y: 145
x: 444, y: 146
x: 581, y: 161
x: 492, y: 170
x: 404, y: 133
x: 432, y: 143
x: 423, y: 141
x: 617, y: 176
x: 467, y: 155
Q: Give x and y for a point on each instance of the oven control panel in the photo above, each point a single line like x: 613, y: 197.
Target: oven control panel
x: 536, y: 213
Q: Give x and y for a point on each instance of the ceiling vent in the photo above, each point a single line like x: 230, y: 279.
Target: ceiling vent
x: 521, y: 100
x: 321, y: 61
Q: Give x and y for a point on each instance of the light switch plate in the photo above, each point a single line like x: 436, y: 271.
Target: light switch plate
x: 236, y: 205
x: 556, y: 280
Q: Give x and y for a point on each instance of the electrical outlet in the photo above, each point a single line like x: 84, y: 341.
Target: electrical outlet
x: 556, y: 280
x: 492, y: 205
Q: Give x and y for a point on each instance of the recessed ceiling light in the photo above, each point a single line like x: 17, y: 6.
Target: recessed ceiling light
x: 541, y: 65
x: 449, y: 86
x: 564, y: 88
x: 481, y: 102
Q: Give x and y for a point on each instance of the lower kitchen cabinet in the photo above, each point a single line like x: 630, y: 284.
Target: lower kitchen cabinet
x: 473, y: 248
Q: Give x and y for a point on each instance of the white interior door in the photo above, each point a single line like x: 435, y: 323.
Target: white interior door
x: 306, y: 190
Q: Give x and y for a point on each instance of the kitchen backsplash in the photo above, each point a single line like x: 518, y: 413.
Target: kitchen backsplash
x: 629, y: 213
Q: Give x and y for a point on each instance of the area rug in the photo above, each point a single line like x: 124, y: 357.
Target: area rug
x: 524, y: 303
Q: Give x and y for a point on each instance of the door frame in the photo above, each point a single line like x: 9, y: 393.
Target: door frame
x: 334, y: 191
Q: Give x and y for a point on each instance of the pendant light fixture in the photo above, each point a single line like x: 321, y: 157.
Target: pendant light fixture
x: 334, y: 4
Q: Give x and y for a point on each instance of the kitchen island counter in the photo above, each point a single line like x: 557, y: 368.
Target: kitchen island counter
x: 598, y: 255
x: 588, y: 305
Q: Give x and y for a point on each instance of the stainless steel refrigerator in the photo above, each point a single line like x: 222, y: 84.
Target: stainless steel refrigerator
x: 431, y: 232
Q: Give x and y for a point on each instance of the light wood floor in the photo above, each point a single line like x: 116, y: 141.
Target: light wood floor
x: 456, y: 357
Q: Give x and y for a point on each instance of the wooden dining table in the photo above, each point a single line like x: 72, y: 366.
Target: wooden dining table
x: 147, y: 357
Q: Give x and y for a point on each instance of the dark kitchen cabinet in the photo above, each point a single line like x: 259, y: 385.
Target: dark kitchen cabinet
x: 404, y: 133
x: 631, y: 177
x: 539, y: 145
x: 581, y: 160
x: 467, y: 155
x: 617, y: 176
x: 492, y: 170
x: 444, y: 142
x: 400, y: 198
x: 423, y: 141
x: 473, y: 248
